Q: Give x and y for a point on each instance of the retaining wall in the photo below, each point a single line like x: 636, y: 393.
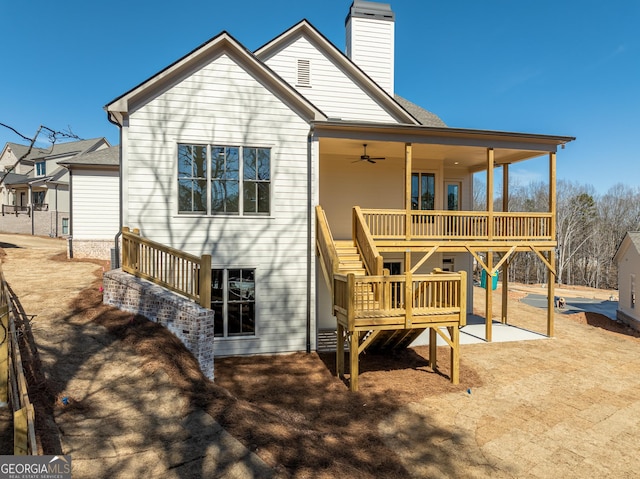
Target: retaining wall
x: 190, y: 322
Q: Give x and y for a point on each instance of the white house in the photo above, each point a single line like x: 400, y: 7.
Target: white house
x: 627, y: 258
x: 228, y: 152
x: 35, y: 189
x: 94, y: 186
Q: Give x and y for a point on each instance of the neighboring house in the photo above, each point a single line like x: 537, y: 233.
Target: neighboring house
x: 94, y: 188
x: 228, y: 152
x: 35, y: 189
x: 627, y: 258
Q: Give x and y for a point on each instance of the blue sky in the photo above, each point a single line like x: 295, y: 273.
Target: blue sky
x: 538, y: 66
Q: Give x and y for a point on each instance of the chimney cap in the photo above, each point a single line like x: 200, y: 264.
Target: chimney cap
x: 375, y: 10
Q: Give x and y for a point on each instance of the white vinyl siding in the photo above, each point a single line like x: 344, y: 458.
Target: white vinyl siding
x: 95, y: 204
x: 332, y: 91
x: 223, y: 104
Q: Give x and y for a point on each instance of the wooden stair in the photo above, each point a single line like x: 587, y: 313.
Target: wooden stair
x: 394, y: 339
x: 349, y: 258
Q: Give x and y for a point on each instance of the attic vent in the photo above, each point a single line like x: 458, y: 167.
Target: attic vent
x: 304, y: 73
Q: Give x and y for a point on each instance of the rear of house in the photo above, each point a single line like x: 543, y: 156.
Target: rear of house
x: 228, y: 153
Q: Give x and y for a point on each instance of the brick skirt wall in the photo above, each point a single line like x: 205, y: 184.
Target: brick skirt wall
x: 190, y: 322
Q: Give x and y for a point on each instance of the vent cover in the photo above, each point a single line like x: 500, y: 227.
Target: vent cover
x: 304, y: 73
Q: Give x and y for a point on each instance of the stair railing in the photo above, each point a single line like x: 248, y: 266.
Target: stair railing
x: 327, y: 251
x: 371, y: 258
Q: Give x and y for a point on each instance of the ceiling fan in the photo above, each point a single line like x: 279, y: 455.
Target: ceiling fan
x: 365, y: 157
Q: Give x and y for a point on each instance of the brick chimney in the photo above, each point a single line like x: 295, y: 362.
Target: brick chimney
x: 370, y: 40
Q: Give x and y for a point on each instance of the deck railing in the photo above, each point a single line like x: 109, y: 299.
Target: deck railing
x: 364, y: 242
x: 431, y: 296
x: 173, y: 269
x: 13, y: 384
x: 329, y: 260
x: 463, y: 225
x: 15, y: 210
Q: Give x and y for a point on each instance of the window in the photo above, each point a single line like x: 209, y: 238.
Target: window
x: 192, y: 181
x: 232, y: 169
x: 423, y: 191
x: 37, y: 197
x: 233, y: 299
x: 65, y: 226
x: 41, y: 168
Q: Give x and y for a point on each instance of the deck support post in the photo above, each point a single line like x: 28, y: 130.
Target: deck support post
x: 505, y: 269
x: 340, y: 352
x: 552, y: 254
x: 433, y: 348
x: 551, y: 280
x: 354, y: 343
x: 454, y: 333
x: 408, y: 291
x: 489, y: 298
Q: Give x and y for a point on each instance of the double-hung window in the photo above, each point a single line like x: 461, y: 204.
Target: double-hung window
x: 224, y: 180
x: 233, y: 300
x: 41, y: 168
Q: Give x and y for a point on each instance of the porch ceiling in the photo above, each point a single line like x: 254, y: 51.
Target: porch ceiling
x: 454, y: 147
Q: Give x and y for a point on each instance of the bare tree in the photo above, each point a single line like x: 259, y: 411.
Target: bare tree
x: 52, y: 136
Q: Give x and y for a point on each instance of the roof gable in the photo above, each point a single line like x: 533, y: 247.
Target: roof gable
x: 197, y: 59
x: 304, y: 29
x: 631, y: 240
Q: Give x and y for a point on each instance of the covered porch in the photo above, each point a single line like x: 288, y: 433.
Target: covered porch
x: 412, y: 198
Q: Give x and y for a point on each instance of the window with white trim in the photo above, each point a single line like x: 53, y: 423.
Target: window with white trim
x: 41, y: 168
x: 224, y: 180
x: 233, y: 299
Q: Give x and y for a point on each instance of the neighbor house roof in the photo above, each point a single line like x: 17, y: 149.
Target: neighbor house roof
x: 57, y: 149
x: 107, y: 157
x: 15, y: 178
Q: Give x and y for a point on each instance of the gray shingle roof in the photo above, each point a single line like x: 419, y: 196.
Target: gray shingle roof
x: 15, y: 178
x: 104, y: 157
x: 425, y: 117
x: 68, y: 148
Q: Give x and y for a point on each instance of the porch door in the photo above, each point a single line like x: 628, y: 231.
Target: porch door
x: 23, y: 199
x: 453, y: 200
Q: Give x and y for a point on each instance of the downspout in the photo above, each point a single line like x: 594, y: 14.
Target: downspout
x: 119, y: 233
x: 310, y: 248
x: 70, y: 238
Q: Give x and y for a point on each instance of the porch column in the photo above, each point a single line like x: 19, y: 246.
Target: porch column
x: 489, y: 283
x: 407, y: 188
x: 552, y: 254
x: 505, y: 268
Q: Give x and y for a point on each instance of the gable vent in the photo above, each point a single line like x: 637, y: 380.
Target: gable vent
x: 304, y: 73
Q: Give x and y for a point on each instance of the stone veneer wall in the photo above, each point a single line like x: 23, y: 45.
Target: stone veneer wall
x: 190, y: 322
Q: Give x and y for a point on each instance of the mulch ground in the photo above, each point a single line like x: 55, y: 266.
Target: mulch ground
x: 290, y: 409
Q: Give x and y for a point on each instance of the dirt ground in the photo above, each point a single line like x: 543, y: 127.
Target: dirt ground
x: 562, y: 407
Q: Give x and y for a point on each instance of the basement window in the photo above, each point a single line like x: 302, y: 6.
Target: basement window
x: 233, y: 299
x: 304, y: 73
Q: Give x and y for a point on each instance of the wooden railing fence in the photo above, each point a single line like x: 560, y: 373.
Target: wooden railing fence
x: 173, y: 269
x: 13, y: 384
x: 329, y: 260
x: 429, y: 295
x: 391, y: 224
